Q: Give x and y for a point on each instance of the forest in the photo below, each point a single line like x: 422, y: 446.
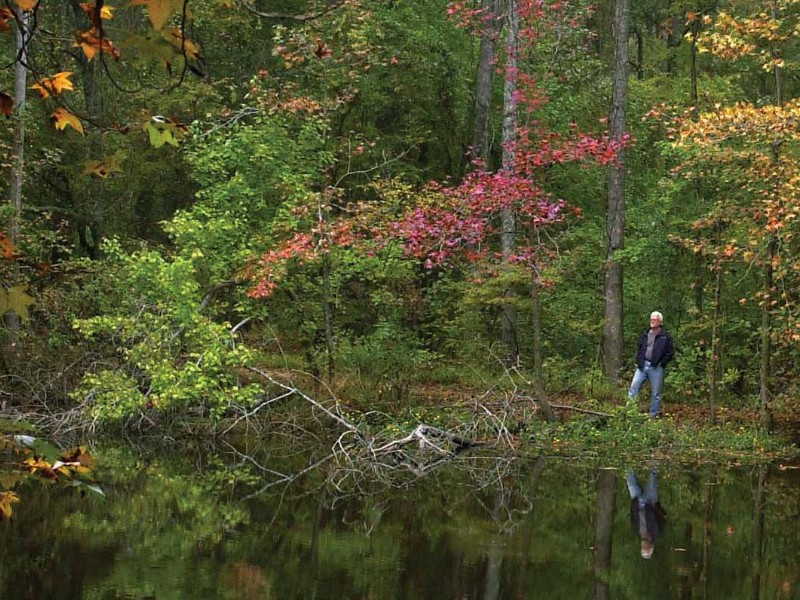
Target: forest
x: 412, y: 218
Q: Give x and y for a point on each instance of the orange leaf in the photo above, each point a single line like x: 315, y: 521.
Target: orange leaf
x: 61, y: 118
x: 107, y: 12
x: 6, y: 247
x: 91, y: 43
x: 6, y: 104
x: 5, y: 16
x: 53, y: 85
x: 26, y: 4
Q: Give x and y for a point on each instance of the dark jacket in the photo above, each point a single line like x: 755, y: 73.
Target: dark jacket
x: 654, y: 518
x: 663, y: 350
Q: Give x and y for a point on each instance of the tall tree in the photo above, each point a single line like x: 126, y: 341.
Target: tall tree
x: 615, y: 215
x: 492, y: 23
x: 507, y: 217
x: 22, y: 37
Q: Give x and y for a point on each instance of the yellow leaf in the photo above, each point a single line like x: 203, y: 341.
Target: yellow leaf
x: 107, y: 12
x: 103, y: 168
x: 91, y: 43
x: 159, y: 11
x: 6, y: 500
x: 192, y: 49
x: 53, y: 85
x: 61, y: 118
x: 15, y: 299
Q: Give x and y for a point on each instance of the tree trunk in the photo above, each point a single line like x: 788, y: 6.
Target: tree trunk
x: 21, y: 37
x: 538, y: 357
x: 615, y: 221
x: 327, y: 309
x: 507, y: 218
x: 492, y: 25
x: 91, y: 202
x: 18, y: 146
x: 715, y: 340
x: 765, y: 367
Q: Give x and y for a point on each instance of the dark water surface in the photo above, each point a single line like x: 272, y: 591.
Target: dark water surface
x: 200, y: 524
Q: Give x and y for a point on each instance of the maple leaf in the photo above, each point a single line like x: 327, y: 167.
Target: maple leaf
x: 6, y: 104
x: 106, y: 12
x: 5, y: 16
x: 61, y: 118
x: 91, y: 43
x: 163, y: 131
x: 26, y: 4
x: 53, y: 85
x: 103, y: 168
x: 6, y: 248
x: 16, y: 300
x: 6, y: 500
x: 177, y: 39
x: 159, y: 11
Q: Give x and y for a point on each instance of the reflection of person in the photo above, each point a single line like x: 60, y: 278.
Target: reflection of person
x: 653, y: 353
x: 647, y: 515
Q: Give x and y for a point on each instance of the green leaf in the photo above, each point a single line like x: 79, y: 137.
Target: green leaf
x: 15, y: 299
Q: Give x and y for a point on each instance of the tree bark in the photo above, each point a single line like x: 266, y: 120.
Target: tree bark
x: 507, y: 218
x: 21, y: 38
x: 481, y: 145
x: 91, y: 202
x: 538, y: 357
x: 615, y: 218
x: 714, y: 375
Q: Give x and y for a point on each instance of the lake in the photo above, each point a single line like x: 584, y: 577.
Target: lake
x: 199, y: 520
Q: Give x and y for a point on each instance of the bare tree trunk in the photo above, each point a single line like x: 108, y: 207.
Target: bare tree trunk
x: 507, y: 218
x: 765, y: 367
x: 327, y: 310
x: 615, y: 221
x: 492, y: 25
x: 91, y: 197
x: 538, y: 358
x: 715, y: 340
x: 18, y: 146
x: 693, y: 64
x: 639, y: 54
x: 769, y: 283
x: 21, y: 37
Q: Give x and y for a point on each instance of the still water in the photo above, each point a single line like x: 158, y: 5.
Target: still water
x: 212, y: 523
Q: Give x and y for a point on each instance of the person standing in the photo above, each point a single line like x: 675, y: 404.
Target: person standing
x: 654, y: 351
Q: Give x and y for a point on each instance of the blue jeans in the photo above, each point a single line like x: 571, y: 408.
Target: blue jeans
x: 656, y: 377
x: 650, y: 493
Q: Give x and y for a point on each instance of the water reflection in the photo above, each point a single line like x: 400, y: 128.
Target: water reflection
x: 197, y: 527
x: 647, y: 514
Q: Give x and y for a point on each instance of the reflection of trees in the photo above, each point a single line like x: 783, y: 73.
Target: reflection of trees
x: 201, y: 525
x: 758, y: 533
x: 604, y: 530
